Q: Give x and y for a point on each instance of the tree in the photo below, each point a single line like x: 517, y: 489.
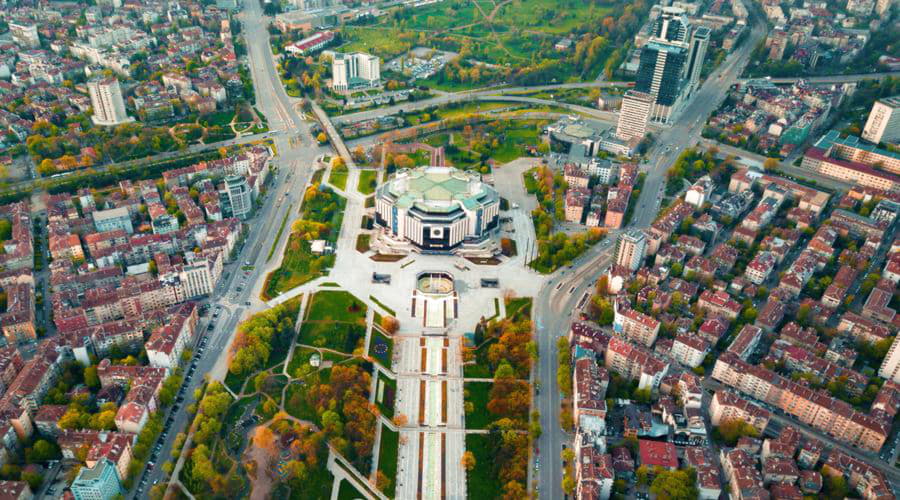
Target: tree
x: 514, y: 490
x: 90, y: 377
x: 675, y: 485
x: 390, y: 324
x: 264, y: 439
x: 835, y: 486
x: 468, y: 461
x: 732, y: 429
x: 643, y: 475
x: 568, y: 483
x: 322, y: 138
x: 42, y: 451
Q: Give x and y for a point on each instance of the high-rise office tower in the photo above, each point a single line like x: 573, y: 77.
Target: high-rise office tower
x: 660, y: 74
x: 883, y: 124
x: 672, y: 25
x: 671, y: 62
x: 107, y: 101
x: 630, y: 249
x: 633, y: 117
x: 236, y: 197
x: 699, y: 43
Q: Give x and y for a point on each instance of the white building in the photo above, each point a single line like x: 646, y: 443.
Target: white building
x: 107, y: 101
x: 25, y: 34
x: 689, y: 349
x: 634, y: 115
x: 166, y: 343
x: 631, y: 247
x: 890, y: 368
x: 883, y: 124
x: 112, y: 219
x: 698, y: 193
x: 437, y: 209
x: 604, y: 170
x: 353, y: 71
x: 199, y: 276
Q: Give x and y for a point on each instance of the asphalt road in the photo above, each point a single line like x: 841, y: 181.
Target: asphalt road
x: 553, y: 312
x: 296, y: 154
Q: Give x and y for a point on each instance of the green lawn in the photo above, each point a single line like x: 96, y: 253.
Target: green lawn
x: 299, y: 265
x: 343, y: 337
x: 480, y: 368
x: 317, y: 485
x: 336, y: 305
x: 384, y: 397
x: 519, y: 308
x: 335, y: 320
x: 479, y: 394
x: 481, y: 482
x: 367, y: 181
x: 381, y: 304
x: 387, y: 457
x: 379, y: 339
x: 338, y: 177
x: 349, y: 492
x: 363, y: 242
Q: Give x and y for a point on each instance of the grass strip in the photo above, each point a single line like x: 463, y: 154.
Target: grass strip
x: 278, y: 234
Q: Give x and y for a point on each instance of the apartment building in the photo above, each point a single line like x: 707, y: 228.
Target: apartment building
x: 726, y: 405
x: 635, y: 325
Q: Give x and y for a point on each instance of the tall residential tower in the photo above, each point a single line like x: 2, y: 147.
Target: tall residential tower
x: 107, y: 101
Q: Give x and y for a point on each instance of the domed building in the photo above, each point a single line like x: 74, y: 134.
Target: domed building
x: 437, y: 209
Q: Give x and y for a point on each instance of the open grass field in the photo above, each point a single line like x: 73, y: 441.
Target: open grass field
x: 478, y: 393
x: 367, y: 181
x: 336, y: 320
x: 336, y: 305
x: 519, y: 308
x: 338, y: 177
x: 387, y: 457
x: 482, y: 481
x: 480, y: 369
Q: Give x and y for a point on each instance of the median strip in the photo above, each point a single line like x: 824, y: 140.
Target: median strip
x: 278, y: 234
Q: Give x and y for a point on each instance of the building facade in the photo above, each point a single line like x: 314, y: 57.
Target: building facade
x: 100, y: 482
x: 636, y: 108
x: 890, y: 367
x: 107, y: 102
x: 356, y: 70
x: 236, y: 197
x: 631, y: 247
x: 437, y: 209
x: 883, y: 124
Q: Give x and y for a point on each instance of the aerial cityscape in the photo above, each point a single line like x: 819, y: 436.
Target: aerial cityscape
x: 447, y: 249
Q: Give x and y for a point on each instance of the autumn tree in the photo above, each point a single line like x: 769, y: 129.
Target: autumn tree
x: 390, y: 324
x: 468, y: 461
x: 732, y: 429
x: 675, y: 485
